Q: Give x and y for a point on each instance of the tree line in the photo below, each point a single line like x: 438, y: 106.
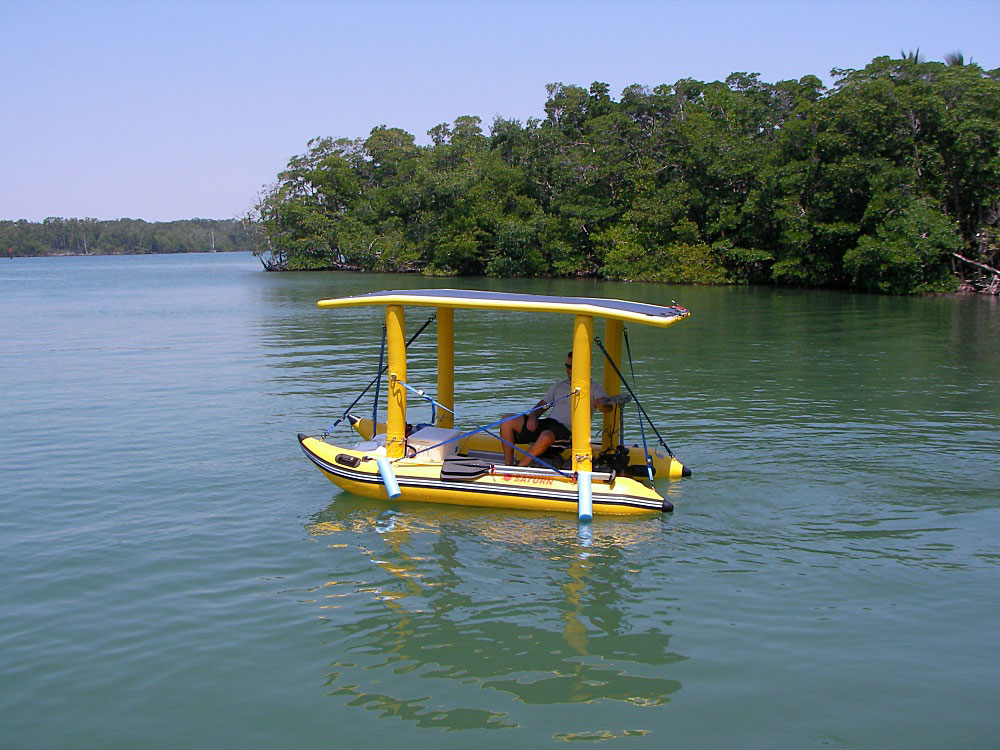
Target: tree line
x: 889, y: 181
x: 57, y: 236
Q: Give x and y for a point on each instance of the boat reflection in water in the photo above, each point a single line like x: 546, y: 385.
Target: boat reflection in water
x: 468, y: 610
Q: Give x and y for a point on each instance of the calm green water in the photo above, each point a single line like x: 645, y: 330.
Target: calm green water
x: 175, y: 573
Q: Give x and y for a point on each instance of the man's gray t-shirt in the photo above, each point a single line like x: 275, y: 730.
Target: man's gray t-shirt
x: 562, y: 410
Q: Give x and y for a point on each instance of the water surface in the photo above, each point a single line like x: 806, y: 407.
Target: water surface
x: 175, y: 571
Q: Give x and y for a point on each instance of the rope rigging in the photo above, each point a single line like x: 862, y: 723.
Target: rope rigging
x: 377, y: 382
x: 617, y: 402
x: 639, y: 403
x: 434, y: 403
x: 376, y: 379
x: 624, y: 382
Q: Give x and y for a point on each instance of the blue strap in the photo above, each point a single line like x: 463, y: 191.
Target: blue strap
x: 639, y: 404
x: 642, y: 429
x: 434, y: 404
x: 624, y: 382
x: 374, y: 380
x: 540, y: 460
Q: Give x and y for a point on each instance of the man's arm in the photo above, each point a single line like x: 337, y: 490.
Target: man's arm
x: 603, y: 405
x: 600, y: 399
x: 531, y: 422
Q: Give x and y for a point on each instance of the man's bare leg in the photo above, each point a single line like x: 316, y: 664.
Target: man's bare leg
x: 545, y: 439
x: 508, y: 430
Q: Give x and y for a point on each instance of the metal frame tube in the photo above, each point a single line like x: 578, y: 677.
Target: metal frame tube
x: 583, y: 333
x: 395, y: 433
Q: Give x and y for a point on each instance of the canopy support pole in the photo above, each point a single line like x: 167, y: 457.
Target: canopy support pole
x: 612, y: 383
x: 395, y: 433
x: 446, y: 366
x: 583, y: 334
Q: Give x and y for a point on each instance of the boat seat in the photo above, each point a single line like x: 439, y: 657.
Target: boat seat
x: 459, y: 468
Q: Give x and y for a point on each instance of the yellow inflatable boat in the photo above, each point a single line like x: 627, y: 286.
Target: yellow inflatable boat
x: 441, y: 464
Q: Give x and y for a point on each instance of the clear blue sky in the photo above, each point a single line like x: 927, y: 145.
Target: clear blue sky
x: 179, y: 109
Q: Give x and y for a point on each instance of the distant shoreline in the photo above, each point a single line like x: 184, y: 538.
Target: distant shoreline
x: 76, y: 237
x: 112, y: 255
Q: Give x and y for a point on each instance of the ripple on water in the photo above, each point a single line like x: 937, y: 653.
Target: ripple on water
x: 175, y: 572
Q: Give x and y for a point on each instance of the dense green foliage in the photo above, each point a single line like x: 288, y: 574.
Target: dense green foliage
x: 120, y: 237
x: 871, y: 184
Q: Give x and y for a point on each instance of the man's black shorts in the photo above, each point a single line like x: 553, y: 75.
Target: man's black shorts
x: 561, y: 431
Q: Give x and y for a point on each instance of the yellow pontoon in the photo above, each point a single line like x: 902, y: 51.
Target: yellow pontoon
x: 443, y: 465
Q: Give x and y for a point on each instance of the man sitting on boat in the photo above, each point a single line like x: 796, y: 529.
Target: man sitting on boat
x: 551, y: 435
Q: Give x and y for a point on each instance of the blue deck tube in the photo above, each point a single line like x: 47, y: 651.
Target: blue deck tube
x: 585, y: 505
x: 388, y: 478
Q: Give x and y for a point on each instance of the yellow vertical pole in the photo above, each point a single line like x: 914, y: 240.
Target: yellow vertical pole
x: 612, y: 385
x: 446, y: 366
x: 395, y: 433
x: 583, y: 333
